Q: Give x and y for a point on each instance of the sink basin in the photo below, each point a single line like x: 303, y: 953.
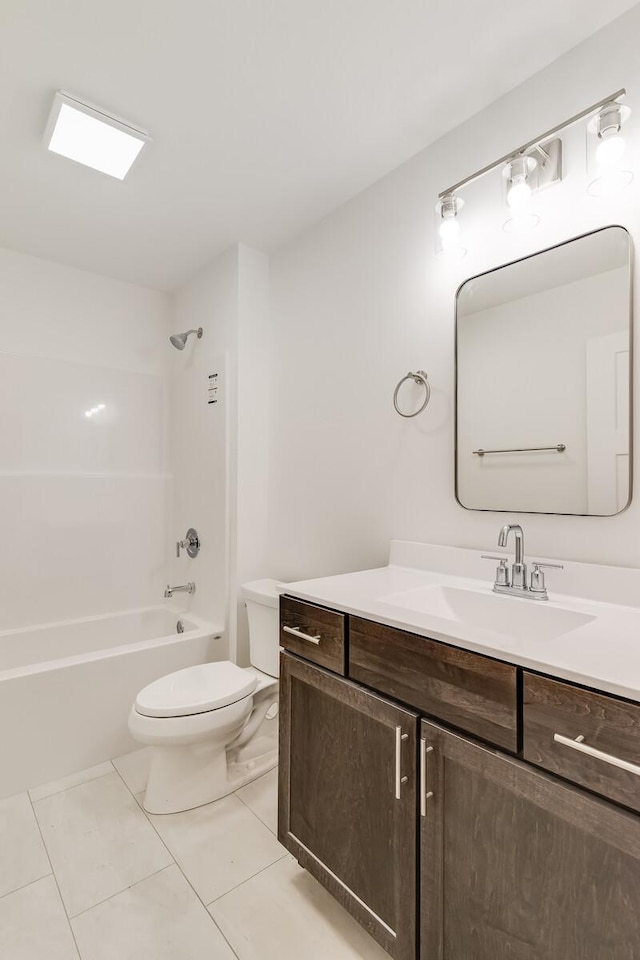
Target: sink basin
x: 511, y: 616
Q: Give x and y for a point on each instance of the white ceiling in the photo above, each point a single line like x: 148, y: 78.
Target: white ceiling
x: 265, y: 114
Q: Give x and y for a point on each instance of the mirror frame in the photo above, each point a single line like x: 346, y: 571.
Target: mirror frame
x: 510, y: 263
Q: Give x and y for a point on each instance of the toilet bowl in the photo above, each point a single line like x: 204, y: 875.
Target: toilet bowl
x: 213, y: 727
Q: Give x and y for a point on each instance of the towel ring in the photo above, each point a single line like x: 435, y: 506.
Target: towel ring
x: 418, y: 377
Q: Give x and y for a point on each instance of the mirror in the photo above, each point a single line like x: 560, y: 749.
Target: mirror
x: 543, y: 381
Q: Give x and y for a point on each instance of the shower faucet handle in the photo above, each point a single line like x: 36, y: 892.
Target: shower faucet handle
x: 191, y: 544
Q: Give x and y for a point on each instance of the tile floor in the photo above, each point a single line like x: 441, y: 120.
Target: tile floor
x: 86, y: 874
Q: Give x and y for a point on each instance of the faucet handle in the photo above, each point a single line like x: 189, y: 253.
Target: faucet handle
x: 191, y: 543
x: 537, y: 576
x: 502, y: 570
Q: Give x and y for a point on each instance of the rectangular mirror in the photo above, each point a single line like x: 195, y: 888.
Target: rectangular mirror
x: 543, y: 381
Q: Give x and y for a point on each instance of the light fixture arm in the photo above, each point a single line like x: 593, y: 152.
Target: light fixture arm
x: 534, y: 143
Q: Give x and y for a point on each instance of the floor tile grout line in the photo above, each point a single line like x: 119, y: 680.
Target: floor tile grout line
x: 72, y: 786
x: 130, y: 789
x: 242, y: 882
x: 29, y: 883
x: 162, y: 841
x: 53, y: 874
x: 120, y: 892
x: 263, y: 822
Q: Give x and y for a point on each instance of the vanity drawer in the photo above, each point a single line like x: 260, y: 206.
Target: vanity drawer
x: 474, y: 693
x: 606, y: 760
x: 313, y: 633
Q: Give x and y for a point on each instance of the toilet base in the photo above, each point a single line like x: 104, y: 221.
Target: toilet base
x: 183, y: 777
x: 250, y: 762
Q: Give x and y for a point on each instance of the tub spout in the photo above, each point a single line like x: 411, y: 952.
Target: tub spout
x: 184, y: 588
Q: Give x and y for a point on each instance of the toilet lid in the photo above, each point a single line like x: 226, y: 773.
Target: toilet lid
x: 207, y: 686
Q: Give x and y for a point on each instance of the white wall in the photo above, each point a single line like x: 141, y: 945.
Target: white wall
x: 82, y: 500
x: 362, y: 299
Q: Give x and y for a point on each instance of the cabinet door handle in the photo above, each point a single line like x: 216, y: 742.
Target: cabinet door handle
x: 424, y: 793
x: 297, y: 632
x: 578, y: 744
x: 400, y: 736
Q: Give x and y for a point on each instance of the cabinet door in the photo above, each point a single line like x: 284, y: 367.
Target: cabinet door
x: 347, y: 798
x: 517, y: 865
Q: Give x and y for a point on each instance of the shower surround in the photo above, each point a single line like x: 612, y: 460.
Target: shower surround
x: 87, y: 382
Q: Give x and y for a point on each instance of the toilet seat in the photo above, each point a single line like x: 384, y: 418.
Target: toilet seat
x: 194, y: 690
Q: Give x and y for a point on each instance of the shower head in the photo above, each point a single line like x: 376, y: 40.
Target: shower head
x: 179, y: 340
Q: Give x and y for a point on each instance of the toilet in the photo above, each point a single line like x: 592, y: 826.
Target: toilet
x: 213, y: 727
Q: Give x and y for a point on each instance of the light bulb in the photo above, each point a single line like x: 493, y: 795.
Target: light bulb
x: 610, y: 150
x: 449, y: 231
x: 519, y: 195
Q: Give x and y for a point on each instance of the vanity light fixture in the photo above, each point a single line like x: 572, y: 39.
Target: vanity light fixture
x: 448, y: 208
x: 606, y: 127
x: 90, y: 136
x: 545, y: 150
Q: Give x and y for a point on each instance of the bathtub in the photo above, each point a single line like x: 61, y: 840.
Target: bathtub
x: 66, y: 688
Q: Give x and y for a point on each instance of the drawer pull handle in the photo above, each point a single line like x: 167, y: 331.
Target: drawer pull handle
x: 424, y: 793
x: 400, y: 736
x: 297, y: 632
x: 578, y: 744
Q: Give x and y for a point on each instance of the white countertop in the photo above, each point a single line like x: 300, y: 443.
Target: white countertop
x: 602, y: 651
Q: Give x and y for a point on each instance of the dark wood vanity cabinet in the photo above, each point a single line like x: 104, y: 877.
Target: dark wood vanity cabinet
x: 442, y: 846
x: 475, y: 693
x: 516, y: 865
x: 348, y: 798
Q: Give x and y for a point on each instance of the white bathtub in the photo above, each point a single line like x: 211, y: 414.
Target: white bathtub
x: 66, y: 688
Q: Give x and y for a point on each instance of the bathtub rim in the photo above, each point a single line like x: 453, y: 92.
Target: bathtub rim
x: 200, y: 628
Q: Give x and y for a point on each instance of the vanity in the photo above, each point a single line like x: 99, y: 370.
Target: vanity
x: 461, y: 769
x: 460, y: 752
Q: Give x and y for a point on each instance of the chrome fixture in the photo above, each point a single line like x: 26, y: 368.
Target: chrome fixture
x: 535, y: 164
x: 582, y: 747
x: 400, y: 780
x: 538, y: 587
x: 179, y: 340
x: 420, y: 378
x: 519, y: 567
x: 180, y: 626
x: 297, y: 632
x: 191, y: 544
x: 514, y: 582
x: 558, y: 448
x: 425, y: 794
x: 189, y: 588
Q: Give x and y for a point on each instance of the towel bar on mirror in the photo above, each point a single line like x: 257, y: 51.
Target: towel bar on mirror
x: 558, y: 448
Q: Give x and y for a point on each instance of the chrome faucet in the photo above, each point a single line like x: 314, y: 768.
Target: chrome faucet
x: 514, y: 582
x: 185, y: 588
x: 519, y: 567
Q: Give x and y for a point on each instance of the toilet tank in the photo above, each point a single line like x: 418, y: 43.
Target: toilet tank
x: 262, y: 598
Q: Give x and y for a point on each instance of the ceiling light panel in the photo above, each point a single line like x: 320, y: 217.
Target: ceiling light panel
x: 89, y: 136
